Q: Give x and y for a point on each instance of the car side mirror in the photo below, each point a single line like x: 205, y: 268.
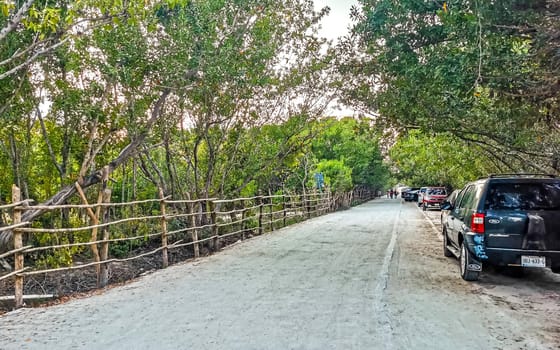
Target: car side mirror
x: 446, y: 206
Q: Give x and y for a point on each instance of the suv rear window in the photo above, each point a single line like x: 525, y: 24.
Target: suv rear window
x: 523, y: 196
x: 436, y: 191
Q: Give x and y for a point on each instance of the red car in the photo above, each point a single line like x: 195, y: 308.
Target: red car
x: 434, y: 196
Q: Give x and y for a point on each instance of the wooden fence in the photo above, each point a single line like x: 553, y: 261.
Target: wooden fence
x: 162, y: 224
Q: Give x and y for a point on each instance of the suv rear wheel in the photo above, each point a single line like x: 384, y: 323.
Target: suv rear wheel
x: 466, y: 260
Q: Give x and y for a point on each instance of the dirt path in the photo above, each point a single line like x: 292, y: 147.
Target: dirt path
x: 498, y: 312
x: 372, y: 277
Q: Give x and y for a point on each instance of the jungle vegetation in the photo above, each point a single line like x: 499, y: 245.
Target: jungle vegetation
x: 207, y: 98
x: 202, y: 98
x: 469, y: 87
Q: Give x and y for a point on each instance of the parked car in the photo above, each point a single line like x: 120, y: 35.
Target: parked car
x: 403, y: 190
x: 411, y: 195
x: 431, y: 196
x: 504, y: 220
x: 451, y: 200
x: 421, y: 193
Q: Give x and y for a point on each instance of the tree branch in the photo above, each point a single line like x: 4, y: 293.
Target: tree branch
x: 31, y: 59
x: 15, y: 20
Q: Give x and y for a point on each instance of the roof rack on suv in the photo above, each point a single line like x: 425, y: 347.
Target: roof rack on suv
x: 520, y: 175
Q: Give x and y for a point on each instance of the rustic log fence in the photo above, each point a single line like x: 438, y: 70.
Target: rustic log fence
x: 209, y: 222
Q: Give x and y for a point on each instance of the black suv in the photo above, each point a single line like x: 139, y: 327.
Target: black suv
x: 411, y: 195
x: 505, y: 220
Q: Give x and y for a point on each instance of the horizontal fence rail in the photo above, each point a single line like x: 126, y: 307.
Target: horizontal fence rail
x: 95, y: 235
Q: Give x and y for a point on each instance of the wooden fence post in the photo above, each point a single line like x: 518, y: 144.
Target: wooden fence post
x: 283, y: 210
x: 165, y: 259
x: 271, y: 213
x: 18, y: 244
x: 243, y: 217
x: 315, y: 204
x: 260, y: 199
x: 307, y: 205
x: 103, y: 278
x: 194, y: 231
x: 214, y: 221
x: 321, y: 204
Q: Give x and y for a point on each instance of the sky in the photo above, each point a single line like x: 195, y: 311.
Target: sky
x: 333, y: 26
x: 337, y: 22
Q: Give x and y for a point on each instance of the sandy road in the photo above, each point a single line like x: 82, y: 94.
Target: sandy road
x: 372, y: 277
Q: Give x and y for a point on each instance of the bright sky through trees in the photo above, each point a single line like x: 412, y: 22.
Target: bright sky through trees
x: 333, y: 26
x: 336, y: 23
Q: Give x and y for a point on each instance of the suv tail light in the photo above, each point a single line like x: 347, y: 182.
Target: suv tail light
x: 477, y: 224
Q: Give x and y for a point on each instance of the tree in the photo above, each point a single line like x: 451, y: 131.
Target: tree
x: 441, y: 159
x: 338, y: 176
x: 127, y: 77
x: 239, y: 50
x: 475, y: 69
x: 355, y: 143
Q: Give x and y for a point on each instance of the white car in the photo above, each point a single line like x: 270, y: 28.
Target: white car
x: 421, y: 193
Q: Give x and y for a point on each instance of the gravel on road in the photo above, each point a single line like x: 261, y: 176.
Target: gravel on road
x: 372, y: 277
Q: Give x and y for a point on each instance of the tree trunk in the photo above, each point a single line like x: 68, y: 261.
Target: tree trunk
x: 14, y: 156
x: 103, y: 277
x: 168, y: 163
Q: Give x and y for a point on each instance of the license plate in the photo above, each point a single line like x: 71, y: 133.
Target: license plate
x: 533, y: 261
